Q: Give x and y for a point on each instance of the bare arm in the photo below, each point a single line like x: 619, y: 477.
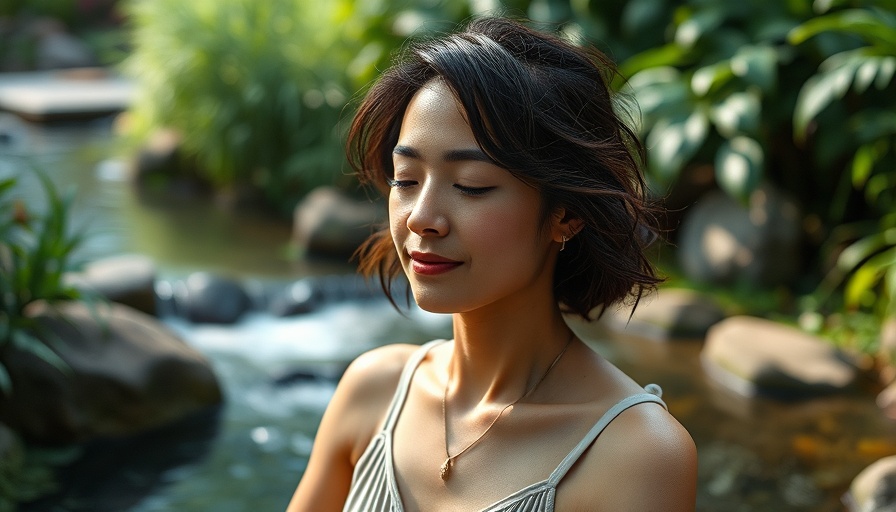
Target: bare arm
x: 644, y: 461
x: 351, y: 420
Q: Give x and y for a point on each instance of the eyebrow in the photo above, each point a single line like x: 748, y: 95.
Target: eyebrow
x: 454, y: 155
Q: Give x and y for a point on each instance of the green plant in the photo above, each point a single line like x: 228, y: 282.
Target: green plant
x: 35, y: 252
x: 845, y: 113
x: 719, y: 91
x: 259, y: 90
x: 238, y: 80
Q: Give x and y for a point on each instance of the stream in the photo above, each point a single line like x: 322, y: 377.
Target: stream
x: 756, y: 454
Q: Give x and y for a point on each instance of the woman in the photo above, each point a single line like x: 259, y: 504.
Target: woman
x: 515, y: 196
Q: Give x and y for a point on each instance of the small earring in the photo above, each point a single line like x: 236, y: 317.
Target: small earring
x: 564, y: 238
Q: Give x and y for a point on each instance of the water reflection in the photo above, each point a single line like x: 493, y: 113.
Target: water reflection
x: 113, y: 475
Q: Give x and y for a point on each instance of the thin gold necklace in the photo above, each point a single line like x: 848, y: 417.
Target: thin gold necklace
x: 445, y: 470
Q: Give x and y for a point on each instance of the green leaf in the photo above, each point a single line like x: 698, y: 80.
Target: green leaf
x: 873, y: 125
x: 872, y: 27
x: 669, y: 55
x: 757, y: 65
x: 859, y: 286
x: 660, y: 93
x: 890, y: 285
x: 879, y: 184
x: 738, y: 113
x: 27, y: 342
x: 862, y: 164
x: 865, y: 247
x: 710, y: 78
x: 5, y: 380
x: 866, y: 277
x: 740, y: 164
x: 817, y: 93
x: 693, y: 28
x: 673, y: 142
x: 6, y: 184
x: 639, y: 15
x: 885, y: 72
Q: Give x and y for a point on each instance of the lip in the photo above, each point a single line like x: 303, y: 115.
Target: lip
x: 430, y: 264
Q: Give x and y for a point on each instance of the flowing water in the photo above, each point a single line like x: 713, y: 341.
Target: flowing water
x: 279, y: 373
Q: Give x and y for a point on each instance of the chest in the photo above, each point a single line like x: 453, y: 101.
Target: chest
x: 521, y: 449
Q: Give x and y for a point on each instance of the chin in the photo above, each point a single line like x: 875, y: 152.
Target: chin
x: 435, y: 302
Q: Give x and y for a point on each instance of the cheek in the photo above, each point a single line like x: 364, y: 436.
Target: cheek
x: 397, y: 215
x: 508, y: 228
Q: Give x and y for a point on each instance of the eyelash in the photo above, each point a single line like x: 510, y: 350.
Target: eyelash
x: 473, y: 191
x: 399, y: 183
x: 470, y: 191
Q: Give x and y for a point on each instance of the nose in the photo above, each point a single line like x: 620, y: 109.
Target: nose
x: 428, y: 213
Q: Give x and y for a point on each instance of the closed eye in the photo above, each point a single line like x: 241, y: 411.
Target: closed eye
x: 473, y: 191
x: 400, y: 183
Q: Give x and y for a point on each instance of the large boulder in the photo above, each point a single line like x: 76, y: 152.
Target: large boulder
x: 128, y: 279
x: 754, y: 355
x: 124, y: 372
x: 327, y: 223
x: 722, y: 241
x: 668, y: 315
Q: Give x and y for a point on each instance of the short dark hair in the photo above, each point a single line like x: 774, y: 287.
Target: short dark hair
x: 543, y: 109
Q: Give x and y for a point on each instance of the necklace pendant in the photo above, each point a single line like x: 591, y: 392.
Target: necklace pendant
x: 445, y: 470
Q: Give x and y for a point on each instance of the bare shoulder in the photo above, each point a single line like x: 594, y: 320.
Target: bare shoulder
x: 379, y: 367
x: 351, y: 420
x: 645, y: 460
x: 368, y: 385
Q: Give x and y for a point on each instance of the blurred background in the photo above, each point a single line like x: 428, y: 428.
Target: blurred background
x: 177, y: 300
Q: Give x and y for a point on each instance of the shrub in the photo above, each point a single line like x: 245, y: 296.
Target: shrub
x: 257, y: 89
x: 239, y: 80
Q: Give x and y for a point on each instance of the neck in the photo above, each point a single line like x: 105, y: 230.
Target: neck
x: 499, y: 357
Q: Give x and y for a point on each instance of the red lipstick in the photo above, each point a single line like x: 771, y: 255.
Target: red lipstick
x: 429, y: 264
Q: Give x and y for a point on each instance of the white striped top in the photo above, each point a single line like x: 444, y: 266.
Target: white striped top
x: 374, y: 488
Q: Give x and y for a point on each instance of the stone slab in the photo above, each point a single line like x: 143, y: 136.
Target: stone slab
x: 80, y: 93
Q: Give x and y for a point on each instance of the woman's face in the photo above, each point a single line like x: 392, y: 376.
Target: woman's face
x: 467, y: 232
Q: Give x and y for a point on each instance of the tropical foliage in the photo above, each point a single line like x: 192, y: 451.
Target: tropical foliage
x: 797, y: 93
x: 849, y: 108
x: 35, y: 252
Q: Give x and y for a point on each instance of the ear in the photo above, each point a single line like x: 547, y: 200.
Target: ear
x: 564, y: 224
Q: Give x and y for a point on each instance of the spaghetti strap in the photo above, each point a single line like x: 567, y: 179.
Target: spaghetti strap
x: 652, y: 396
x: 404, y: 383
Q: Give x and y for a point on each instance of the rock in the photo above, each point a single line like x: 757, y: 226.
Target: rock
x: 874, y: 489
x: 57, y: 49
x: 723, y: 242
x: 753, y: 355
x: 329, y: 224
x: 207, y: 298
x: 161, y: 171
x: 298, y: 298
x: 668, y: 314
x: 124, y: 372
x: 127, y: 279
x: 310, y: 293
